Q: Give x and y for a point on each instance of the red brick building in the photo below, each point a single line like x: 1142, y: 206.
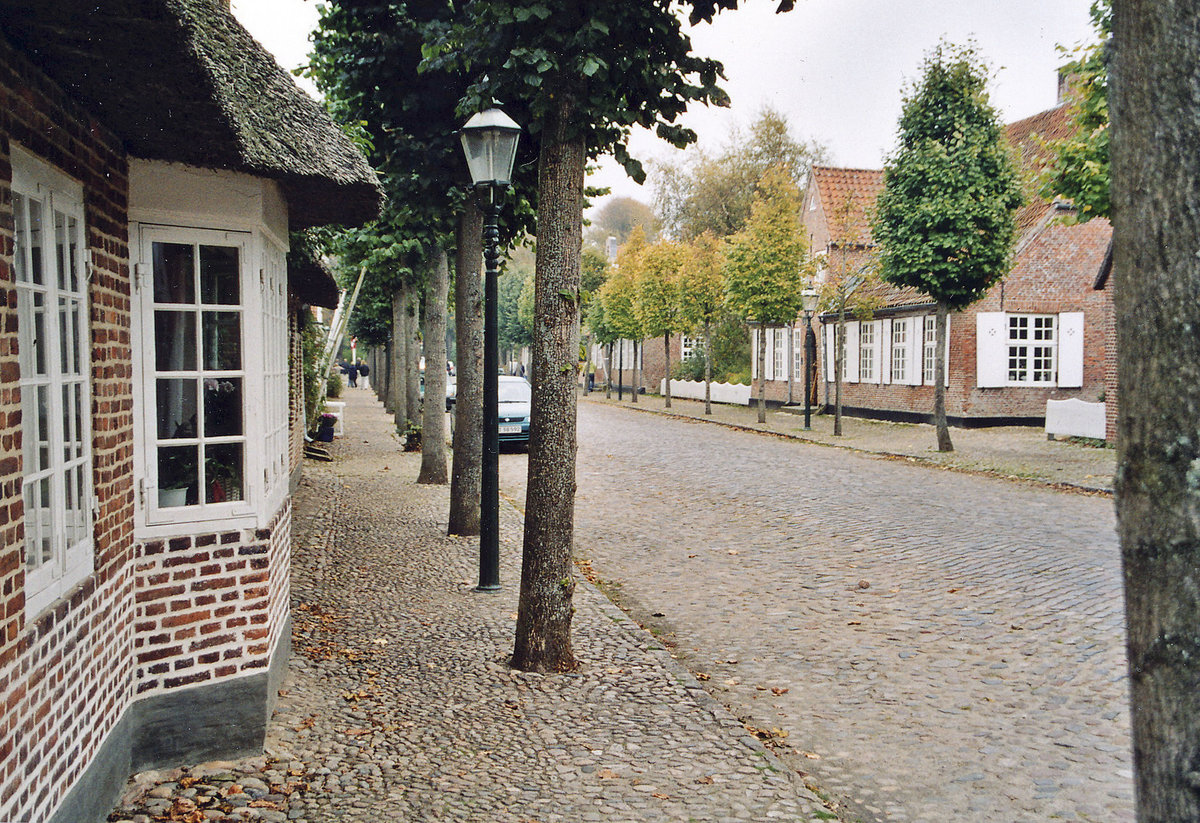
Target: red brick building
x: 152, y: 161
x: 1043, y: 332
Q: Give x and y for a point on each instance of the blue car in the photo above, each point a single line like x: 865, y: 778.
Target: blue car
x: 515, y: 395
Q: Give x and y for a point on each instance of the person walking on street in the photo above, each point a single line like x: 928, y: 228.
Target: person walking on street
x: 363, y: 371
x: 352, y: 375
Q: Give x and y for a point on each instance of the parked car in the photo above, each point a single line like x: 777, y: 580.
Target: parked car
x: 515, y: 396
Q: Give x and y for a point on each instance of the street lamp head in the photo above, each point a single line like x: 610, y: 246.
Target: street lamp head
x: 809, y: 299
x: 489, y: 139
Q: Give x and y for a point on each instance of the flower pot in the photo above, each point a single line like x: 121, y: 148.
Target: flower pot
x: 167, y: 498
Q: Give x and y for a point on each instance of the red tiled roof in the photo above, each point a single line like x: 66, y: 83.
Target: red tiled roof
x: 846, y: 195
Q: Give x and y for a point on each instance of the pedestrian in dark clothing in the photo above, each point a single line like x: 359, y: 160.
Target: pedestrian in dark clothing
x: 352, y: 375
x: 363, y: 371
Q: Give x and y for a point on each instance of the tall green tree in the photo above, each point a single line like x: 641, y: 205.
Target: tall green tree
x: 946, y: 218
x: 1079, y: 167
x: 586, y: 73
x: 1155, y: 203
x: 702, y: 298
x: 617, y: 218
x: 619, y: 294
x: 658, y: 299
x: 763, y: 278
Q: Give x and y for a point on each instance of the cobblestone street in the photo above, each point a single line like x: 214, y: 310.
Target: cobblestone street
x: 935, y: 646
x: 400, y: 705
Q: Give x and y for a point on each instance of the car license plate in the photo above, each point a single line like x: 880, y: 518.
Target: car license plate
x: 510, y: 430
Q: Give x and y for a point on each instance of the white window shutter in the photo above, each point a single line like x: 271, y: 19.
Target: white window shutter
x: 877, y: 351
x: 769, y: 363
x: 946, y: 378
x: 754, y: 354
x: 830, y: 374
x: 1070, y: 350
x: 852, y: 352
x: 915, y: 352
x: 885, y: 352
x: 991, y: 349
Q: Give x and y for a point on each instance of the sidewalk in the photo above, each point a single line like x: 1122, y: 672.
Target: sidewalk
x: 1015, y: 452
x: 400, y: 706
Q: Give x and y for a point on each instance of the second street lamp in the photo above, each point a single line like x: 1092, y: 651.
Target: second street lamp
x: 489, y: 140
x: 808, y: 301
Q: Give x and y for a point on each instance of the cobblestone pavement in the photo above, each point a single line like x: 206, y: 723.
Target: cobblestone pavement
x: 936, y: 646
x: 400, y: 706
x: 1011, y: 452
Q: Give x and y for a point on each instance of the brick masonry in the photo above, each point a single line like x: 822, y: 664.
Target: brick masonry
x: 157, y: 616
x: 64, y: 677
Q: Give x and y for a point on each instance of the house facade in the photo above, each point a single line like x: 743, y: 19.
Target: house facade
x: 1042, y: 333
x: 153, y: 159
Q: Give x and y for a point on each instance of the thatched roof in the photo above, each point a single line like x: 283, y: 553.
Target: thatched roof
x: 182, y: 81
x: 310, y: 280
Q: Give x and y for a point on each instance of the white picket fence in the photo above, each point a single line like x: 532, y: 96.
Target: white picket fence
x: 733, y: 393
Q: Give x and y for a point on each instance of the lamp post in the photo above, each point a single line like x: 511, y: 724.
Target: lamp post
x: 808, y: 301
x: 489, y: 139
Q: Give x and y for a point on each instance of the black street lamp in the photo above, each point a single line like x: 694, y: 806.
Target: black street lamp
x: 489, y: 140
x: 808, y: 301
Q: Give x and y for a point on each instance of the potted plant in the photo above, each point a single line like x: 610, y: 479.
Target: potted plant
x: 176, y: 475
x: 325, y: 424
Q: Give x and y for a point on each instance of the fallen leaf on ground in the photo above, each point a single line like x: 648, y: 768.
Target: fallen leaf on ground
x: 659, y: 795
x: 606, y: 774
x: 702, y: 676
x: 778, y: 690
x: 705, y: 779
x: 263, y: 804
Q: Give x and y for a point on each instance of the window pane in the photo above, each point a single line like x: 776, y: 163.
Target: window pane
x: 222, y: 340
x: 176, y: 409
x: 70, y: 424
x: 219, y: 275
x: 174, y: 340
x: 45, y: 519
x: 77, y: 527
x: 20, y: 230
x: 41, y: 338
x: 222, y: 406
x: 62, y: 250
x: 223, y: 470
x: 73, y: 263
x: 43, y: 430
x: 174, y: 273
x: 178, y: 475
x: 37, y: 243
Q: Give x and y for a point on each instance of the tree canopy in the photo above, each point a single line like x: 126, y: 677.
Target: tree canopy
x: 1079, y: 168
x: 762, y: 262
x: 945, y: 220
x: 712, y: 191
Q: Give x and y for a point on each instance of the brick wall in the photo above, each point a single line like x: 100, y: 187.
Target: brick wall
x: 209, y: 607
x: 1053, y: 273
x: 65, y: 676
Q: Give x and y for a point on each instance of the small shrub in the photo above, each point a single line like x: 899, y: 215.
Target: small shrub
x: 690, y: 368
x: 333, y: 385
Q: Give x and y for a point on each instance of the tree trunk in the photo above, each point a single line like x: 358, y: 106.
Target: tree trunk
x: 608, y: 371
x: 399, y: 350
x: 939, y: 379
x: 1156, y: 280
x: 839, y: 352
x: 707, y: 367
x: 791, y: 361
x: 412, y: 353
x: 762, y: 372
x: 637, y: 370
x: 667, y: 379
x: 433, y: 414
x: 543, y: 641
x: 468, y: 404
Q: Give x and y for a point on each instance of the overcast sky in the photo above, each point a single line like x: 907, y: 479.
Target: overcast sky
x: 835, y: 68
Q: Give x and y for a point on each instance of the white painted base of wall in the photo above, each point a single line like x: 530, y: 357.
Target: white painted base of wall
x: 733, y: 393
x: 1075, y: 418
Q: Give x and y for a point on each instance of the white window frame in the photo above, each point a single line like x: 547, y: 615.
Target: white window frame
x: 254, y: 507
x: 1032, y: 349
x: 798, y: 349
x: 688, y: 345
x: 866, y: 352
x: 900, y: 344
x: 778, y: 340
x: 67, y: 477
